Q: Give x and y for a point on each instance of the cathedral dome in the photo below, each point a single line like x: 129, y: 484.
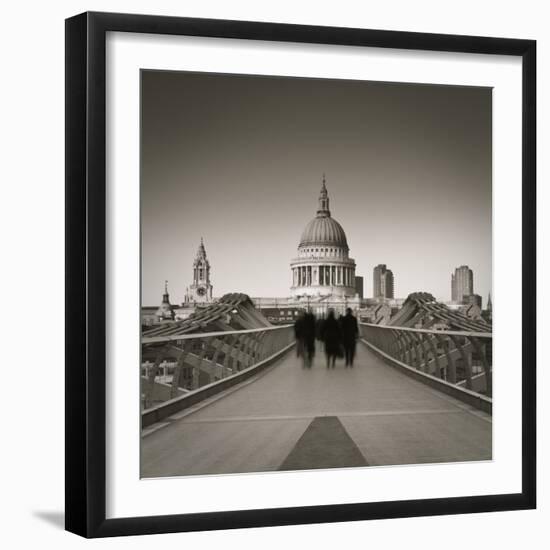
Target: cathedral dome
x: 323, y: 267
x: 323, y: 231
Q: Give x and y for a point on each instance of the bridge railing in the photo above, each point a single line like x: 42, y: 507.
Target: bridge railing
x: 460, y: 358
x: 175, y: 366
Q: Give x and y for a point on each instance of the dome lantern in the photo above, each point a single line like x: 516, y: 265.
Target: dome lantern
x: 323, y: 210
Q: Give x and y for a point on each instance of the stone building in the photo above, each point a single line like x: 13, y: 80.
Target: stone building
x: 323, y: 273
x: 198, y: 294
x: 200, y: 290
x: 165, y: 312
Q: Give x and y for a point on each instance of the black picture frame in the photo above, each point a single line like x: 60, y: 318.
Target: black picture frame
x: 86, y: 284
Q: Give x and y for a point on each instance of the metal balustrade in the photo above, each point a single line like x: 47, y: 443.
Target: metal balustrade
x: 193, y: 361
x: 458, y: 357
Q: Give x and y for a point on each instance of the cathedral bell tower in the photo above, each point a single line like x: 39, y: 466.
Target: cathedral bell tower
x: 201, y: 289
x: 165, y: 312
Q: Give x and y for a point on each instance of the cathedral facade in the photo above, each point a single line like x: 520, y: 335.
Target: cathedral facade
x: 323, y: 272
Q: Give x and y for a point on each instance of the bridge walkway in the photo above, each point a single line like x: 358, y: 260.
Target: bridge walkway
x: 292, y: 418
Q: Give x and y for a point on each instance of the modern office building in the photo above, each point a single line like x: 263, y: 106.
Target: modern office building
x: 383, y: 282
x: 462, y: 284
x: 359, y: 286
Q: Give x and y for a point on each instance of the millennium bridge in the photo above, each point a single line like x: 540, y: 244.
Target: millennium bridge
x: 224, y: 392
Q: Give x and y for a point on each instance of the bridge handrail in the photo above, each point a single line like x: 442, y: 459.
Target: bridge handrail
x: 195, y: 335
x: 202, y: 359
x: 432, y: 331
x: 449, y: 355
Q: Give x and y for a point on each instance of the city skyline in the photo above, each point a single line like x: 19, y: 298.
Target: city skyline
x: 362, y: 277
x: 238, y: 160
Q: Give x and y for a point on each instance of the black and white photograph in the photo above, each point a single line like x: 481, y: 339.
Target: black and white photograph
x: 275, y: 275
x: 316, y: 274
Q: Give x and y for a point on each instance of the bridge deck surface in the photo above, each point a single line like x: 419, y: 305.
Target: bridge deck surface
x: 291, y: 418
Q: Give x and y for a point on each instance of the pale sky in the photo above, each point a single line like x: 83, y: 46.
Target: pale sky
x: 239, y: 160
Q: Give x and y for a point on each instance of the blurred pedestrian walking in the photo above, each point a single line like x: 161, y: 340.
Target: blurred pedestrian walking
x: 332, y: 338
x: 299, y: 334
x: 304, y: 329
x: 350, y: 333
x: 308, y: 335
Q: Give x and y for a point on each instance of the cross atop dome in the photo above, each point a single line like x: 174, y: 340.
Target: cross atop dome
x: 323, y: 209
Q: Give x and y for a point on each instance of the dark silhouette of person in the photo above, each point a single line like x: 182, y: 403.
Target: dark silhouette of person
x: 299, y: 333
x: 332, y: 338
x: 308, y: 336
x: 319, y: 328
x: 350, y: 333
